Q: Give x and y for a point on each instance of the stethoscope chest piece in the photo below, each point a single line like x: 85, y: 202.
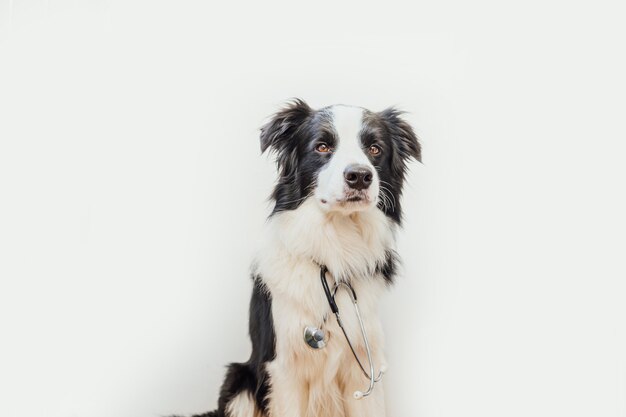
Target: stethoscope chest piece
x: 314, y: 337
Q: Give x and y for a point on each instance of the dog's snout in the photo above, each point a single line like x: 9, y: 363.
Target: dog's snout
x: 358, y: 177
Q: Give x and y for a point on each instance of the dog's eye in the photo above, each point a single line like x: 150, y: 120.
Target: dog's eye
x: 322, y: 148
x: 375, y: 150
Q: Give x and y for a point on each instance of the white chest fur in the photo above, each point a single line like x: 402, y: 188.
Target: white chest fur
x: 318, y: 382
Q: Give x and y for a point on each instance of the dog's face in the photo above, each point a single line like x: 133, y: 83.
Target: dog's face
x: 347, y: 158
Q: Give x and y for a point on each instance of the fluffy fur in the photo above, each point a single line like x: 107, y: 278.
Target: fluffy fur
x: 321, y: 217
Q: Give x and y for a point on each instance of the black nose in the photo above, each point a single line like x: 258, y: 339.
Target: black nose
x: 358, y: 177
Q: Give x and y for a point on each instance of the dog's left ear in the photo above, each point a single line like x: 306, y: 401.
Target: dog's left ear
x: 278, y: 133
x: 402, y: 134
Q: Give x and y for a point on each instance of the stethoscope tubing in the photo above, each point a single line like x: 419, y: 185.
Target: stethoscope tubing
x: 330, y: 295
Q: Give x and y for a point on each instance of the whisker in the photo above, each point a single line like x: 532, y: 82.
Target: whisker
x: 388, y: 197
x: 385, y: 200
x: 390, y: 194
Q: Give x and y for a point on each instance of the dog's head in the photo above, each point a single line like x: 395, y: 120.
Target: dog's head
x: 347, y: 158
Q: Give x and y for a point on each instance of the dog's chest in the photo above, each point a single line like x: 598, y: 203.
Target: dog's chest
x: 299, y: 301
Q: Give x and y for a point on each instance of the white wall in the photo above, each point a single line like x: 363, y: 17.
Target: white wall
x: 132, y: 190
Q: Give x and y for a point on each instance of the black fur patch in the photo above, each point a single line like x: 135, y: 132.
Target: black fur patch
x: 388, y: 267
x: 261, y: 328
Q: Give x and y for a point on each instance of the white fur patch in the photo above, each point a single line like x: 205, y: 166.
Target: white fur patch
x: 331, y: 186
x: 242, y: 405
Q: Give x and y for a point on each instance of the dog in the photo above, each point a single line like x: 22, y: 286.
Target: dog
x: 337, y: 203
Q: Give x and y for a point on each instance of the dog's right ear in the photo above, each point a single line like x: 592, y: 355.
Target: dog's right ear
x: 277, y: 133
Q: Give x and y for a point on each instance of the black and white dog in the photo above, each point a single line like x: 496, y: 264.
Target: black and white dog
x: 337, y: 203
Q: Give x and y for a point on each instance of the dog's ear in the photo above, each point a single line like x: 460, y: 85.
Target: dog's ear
x: 402, y: 134
x: 278, y: 132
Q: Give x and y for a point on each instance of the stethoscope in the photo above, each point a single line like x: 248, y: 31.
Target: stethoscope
x: 317, y: 338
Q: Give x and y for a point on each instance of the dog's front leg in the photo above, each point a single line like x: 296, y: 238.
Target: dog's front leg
x: 287, y: 391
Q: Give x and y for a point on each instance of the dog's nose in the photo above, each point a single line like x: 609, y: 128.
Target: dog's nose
x: 358, y: 177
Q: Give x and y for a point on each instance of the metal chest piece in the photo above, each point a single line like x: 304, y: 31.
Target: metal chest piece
x: 314, y: 337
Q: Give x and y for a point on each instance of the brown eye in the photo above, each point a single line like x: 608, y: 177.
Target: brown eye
x: 375, y: 150
x: 322, y: 148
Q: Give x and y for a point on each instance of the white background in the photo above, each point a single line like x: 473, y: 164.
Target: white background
x: 132, y: 193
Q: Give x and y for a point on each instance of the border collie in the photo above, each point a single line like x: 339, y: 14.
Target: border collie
x: 337, y: 204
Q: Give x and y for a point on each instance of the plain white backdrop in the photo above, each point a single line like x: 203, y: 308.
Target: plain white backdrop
x: 132, y: 193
